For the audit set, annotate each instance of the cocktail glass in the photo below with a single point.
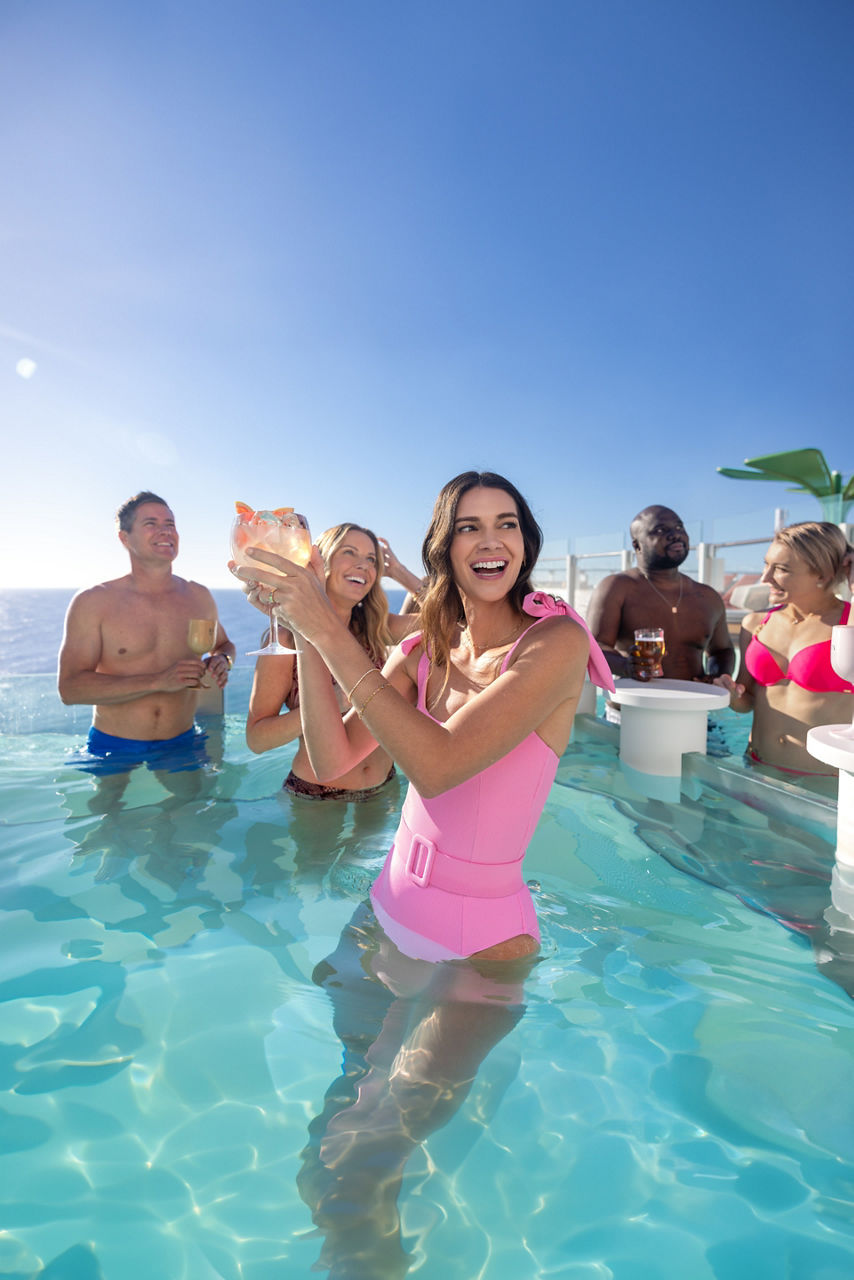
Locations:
(201, 633)
(282, 531)
(842, 661)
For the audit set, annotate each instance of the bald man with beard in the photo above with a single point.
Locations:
(655, 594)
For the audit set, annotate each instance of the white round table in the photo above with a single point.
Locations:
(662, 719)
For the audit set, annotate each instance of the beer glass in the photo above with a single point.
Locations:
(647, 652)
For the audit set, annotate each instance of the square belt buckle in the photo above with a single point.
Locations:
(419, 862)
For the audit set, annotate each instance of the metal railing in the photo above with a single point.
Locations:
(574, 577)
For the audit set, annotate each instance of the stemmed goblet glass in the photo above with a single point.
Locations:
(282, 531)
(201, 633)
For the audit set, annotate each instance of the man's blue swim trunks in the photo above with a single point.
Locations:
(106, 754)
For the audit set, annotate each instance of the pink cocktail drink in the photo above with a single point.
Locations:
(285, 533)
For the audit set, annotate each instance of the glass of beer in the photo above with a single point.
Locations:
(647, 652)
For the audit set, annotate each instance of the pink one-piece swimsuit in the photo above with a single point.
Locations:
(452, 882)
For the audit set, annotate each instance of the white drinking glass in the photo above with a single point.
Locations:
(842, 661)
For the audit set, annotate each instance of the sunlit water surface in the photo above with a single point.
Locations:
(676, 1100)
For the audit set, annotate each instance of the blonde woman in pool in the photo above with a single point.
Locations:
(785, 677)
(353, 560)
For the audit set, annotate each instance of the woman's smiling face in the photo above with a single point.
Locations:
(487, 550)
(353, 567)
(788, 575)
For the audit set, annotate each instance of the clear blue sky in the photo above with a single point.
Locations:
(328, 253)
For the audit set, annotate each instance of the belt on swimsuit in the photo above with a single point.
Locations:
(427, 867)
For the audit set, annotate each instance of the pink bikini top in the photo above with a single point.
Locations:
(809, 668)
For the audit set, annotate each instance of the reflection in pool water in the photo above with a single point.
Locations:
(214, 1068)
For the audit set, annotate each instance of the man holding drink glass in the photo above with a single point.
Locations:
(131, 649)
(683, 622)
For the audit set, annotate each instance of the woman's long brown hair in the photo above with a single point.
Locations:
(441, 603)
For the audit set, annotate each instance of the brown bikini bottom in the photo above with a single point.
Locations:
(317, 791)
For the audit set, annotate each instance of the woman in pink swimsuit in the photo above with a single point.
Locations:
(476, 709)
(785, 677)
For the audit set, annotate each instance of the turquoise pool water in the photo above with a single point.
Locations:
(667, 1095)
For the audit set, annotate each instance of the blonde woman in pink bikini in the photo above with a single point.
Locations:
(785, 677)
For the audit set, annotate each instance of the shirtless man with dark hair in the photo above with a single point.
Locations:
(656, 594)
(125, 648)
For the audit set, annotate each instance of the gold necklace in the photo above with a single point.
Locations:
(672, 607)
(500, 644)
(815, 613)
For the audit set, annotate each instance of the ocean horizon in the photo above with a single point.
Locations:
(31, 623)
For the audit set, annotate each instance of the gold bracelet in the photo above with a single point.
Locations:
(385, 685)
(359, 681)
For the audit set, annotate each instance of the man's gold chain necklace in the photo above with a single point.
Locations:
(672, 607)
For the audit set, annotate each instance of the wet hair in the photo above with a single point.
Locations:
(441, 603)
(822, 546)
(369, 617)
(127, 511)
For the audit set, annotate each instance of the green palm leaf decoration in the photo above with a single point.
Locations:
(809, 469)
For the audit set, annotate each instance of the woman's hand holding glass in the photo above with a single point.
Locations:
(297, 594)
(282, 532)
